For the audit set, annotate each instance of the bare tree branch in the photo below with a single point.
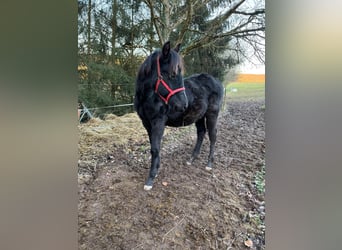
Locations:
(256, 12)
(154, 19)
(237, 22)
(216, 22)
(186, 24)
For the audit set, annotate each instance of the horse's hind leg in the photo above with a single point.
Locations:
(212, 131)
(200, 125)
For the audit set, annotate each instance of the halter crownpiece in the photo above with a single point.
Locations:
(161, 80)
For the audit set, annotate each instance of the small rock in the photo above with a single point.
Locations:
(261, 209)
(248, 243)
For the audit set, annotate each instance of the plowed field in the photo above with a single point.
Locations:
(188, 207)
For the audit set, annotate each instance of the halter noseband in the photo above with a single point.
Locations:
(161, 80)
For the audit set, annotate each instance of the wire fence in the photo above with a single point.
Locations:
(114, 106)
(84, 112)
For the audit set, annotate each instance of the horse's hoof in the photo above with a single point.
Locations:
(208, 168)
(147, 187)
(188, 163)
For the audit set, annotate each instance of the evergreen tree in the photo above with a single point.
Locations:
(116, 35)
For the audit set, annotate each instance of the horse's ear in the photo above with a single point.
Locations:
(177, 48)
(166, 49)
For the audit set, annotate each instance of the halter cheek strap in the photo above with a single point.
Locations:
(161, 80)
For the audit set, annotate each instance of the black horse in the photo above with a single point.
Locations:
(164, 98)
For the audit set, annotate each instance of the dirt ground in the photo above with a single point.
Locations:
(188, 207)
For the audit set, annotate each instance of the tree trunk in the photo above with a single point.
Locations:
(166, 20)
(132, 40)
(114, 26)
(89, 27)
(151, 35)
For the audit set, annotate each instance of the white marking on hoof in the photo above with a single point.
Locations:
(208, 168)
(147, 187)
(188, 163)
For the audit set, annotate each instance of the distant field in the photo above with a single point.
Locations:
(250, 78)
(243, 91)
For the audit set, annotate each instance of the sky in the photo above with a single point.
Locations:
(249, 68)
(255, 66)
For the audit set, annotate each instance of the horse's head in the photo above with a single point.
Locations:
(169, 84)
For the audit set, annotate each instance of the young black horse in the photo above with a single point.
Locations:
(164, 98)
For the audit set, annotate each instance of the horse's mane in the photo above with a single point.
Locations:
(175, 61)
(145, 73)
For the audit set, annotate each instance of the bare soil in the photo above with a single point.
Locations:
(188, 207)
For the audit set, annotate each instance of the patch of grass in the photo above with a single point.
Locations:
(260, 180)
(243, 91)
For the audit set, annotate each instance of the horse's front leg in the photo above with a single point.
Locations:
(157, 131)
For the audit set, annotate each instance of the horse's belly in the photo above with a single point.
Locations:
(178, 123)
(184, 119)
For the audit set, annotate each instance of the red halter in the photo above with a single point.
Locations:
(161, 80)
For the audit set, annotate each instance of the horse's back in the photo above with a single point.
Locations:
(204, 93)
(204, 86)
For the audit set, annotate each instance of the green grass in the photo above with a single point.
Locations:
(244, 91)
(260, 180)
